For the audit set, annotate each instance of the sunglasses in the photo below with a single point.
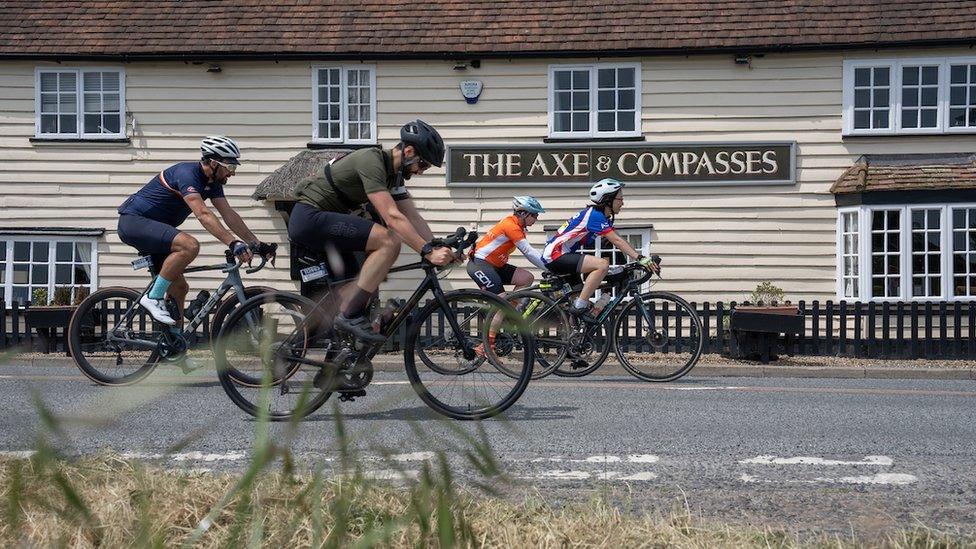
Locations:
(232, 168)
(422, 164)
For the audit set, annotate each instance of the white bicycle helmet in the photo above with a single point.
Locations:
(527, 204)
(604, 190)
(220, 148)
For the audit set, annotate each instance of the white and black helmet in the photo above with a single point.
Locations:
(605, 190)
(220, 148)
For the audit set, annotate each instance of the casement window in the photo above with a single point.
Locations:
(895, 253)
(601, 100)
(909, 96)
(345, 104)
(79, 103)
(32, 268)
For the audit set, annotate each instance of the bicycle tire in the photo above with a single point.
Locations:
(546, 361)
(468, 412)
(83, 326)
(223, 310)
(694, 349)
(248, 398)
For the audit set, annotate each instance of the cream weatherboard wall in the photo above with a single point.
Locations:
(718, 242)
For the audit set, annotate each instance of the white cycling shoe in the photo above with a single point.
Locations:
(157, 309)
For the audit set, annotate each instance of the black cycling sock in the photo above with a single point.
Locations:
(357, 303)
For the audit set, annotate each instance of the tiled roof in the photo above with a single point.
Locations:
(450, 28)
(908, 172)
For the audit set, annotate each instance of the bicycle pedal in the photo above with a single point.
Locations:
(578, 364)
(350, 396)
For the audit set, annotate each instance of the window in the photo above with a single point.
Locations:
(849, 256)
(909, 96)
(964, 252)
(925, 252)
(926, 260)
(962, 95)
(886, 253)
(345, 104)
(32, 269)
(594, 100)
(80, 103)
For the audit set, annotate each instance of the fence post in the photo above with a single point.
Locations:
(927, 346)
(720, 327)
(885, 327)
(971, 340)
(801, 342)
(15, 322)
(857, 329)
(915, 352)
(3, 324)
(829, 328)
(706, 329)
(842, 348)
(957, 329)
(900, 326)
(872, 339)
(816, 328)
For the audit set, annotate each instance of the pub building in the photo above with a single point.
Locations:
(826, 147)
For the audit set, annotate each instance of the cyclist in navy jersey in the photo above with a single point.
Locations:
(148, 220)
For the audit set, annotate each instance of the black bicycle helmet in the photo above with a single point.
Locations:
(425, 140)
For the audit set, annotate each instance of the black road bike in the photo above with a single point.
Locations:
(114, 341)
(302, 360)
(657, 336)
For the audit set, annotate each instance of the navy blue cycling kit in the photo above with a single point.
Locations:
(148, 219)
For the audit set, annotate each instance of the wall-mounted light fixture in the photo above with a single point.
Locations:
(214, 68)
(463, 65)
(743, 59)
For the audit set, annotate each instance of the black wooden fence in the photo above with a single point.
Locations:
(932, 330)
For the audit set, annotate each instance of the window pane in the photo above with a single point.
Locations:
(957, 74)
(909, 76)
(334, 129)
(562, 122)
(21, 272)
(893, 242)
(49, 123)
(562, 101)
(934, 263)
(607, 78)
(918, 263)
(877, 221)
(67, 82)
(957, 117)
(862, 119)
(625, 100)
(862, 98)
(69, 123)
(909, 118)
(625, 78)
(581, 101)
(606, 100)
(930, 75)
(353, 78)
(625, 121)
(930, 96)
(41, 251)
(92, 81)
(82, 274)
(62, 274)
(957, 95)
(110, 102)
(68, 103)
(581, 80)
(93, 123)
(354, 95)
(881, 76)
(20, 294)
(581, 122)
(352, 113)
(880, 98)
(334, 114)
(605, 122)
(880, 118)
(49, 102)
(49, 81)
(909, 97)
(930, 118)
(21, 251)
(333, 94)
(563, 80)
(39, 274)
(862, 77)
(364, 114)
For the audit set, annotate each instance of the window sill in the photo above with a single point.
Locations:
(593, 139)
(86, 141)
(968, 131)
(315, 146)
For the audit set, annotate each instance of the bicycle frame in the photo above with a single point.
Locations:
(232, 280)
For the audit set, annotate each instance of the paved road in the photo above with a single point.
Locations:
(798, 453)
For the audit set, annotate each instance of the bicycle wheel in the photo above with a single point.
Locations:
(455, 388)
(113, 362)
(261, 339)
(585, 354)
(225, 308)
(659, 337)
(549, 326)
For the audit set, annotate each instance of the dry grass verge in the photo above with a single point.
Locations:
(110, 502)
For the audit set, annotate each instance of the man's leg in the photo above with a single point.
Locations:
(522, 278)
(383, 248)
(178, 290)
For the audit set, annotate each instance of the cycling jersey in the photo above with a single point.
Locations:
(355, 175)
(496, 245)
(162, 198)
(581, 230)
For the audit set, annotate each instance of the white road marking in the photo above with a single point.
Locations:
(898, 479)
(188, 456)
(391, 474)
(562, 474)
(643, 458)
(17, 454)
(415, 456)
(633, 458)
(389, 383)
(810, 460)
(559, 474)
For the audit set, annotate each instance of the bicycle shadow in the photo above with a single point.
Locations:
(423, 413)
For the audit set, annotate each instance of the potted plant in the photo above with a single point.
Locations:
(755, 329)
(45, 315)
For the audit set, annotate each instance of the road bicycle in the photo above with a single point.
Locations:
(657, 336)
(302, 360)
(114, 341)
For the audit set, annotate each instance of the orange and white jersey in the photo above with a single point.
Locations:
(499, 241)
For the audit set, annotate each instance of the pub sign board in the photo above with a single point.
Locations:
(671, 165)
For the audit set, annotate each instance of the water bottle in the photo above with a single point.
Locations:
(383, 319)
(601, 303)
(194, 307)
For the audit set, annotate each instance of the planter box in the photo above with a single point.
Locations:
(46, 320)
(755, 330)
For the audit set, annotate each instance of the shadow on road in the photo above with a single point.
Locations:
(423, 413)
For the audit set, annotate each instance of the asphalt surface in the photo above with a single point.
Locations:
(804, 454)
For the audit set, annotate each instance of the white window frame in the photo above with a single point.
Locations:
(343, 104)
(865, 271)
(80, 102)
(895, 66)
(594, 85)
(8, 285)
